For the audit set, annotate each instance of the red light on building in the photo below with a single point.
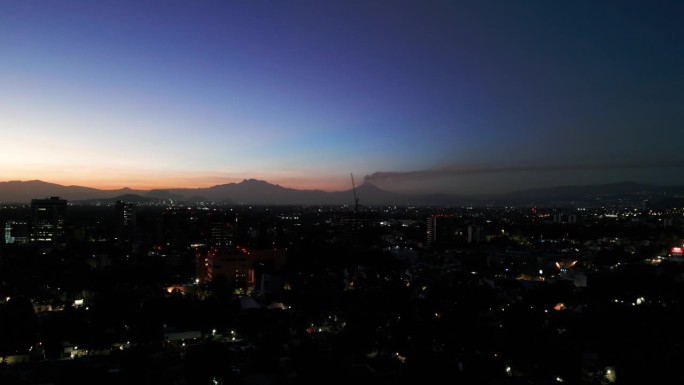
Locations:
(676, 250)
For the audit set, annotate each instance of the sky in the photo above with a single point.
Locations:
(413, 96)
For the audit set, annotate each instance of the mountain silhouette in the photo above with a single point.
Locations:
(18, 191)
(259, 192)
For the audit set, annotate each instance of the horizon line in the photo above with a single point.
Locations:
(147, 189)
(364, 182)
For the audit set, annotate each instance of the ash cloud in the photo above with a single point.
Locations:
(452, 171)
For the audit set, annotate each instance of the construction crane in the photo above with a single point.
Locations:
(356, 198)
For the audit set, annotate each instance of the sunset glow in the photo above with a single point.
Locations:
(192, 94)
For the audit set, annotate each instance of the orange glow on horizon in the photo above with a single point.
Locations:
(160, 183)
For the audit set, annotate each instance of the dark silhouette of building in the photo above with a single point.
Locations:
(47, 220)
(125, 224)
(475, 234)
(442, 230)
(222, 227)
(431, 230)
(125, 214)
(357, 227)
(178, 226)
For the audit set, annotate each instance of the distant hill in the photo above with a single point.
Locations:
(258, 192)
(252, 191)
(249, 191)
(18, 191)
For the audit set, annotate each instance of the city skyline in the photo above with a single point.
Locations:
(466, 97)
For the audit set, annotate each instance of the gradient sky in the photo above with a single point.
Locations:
(436, 96)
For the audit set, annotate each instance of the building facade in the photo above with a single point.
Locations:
(47, 220)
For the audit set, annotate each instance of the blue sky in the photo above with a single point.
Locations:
(448, 96)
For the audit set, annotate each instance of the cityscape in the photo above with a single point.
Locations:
(363, 191)
(170, 292)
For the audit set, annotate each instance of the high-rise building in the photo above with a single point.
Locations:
(474, 235)
(124, 225)
(358, 227)
(16, 232)
(125, 214)
(47, 220)
(222, 230)
(178, 227)
(443, 230)
(431, 235)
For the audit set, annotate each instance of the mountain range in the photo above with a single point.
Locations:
(258, 192)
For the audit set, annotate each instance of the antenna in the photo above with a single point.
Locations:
(356, 198)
